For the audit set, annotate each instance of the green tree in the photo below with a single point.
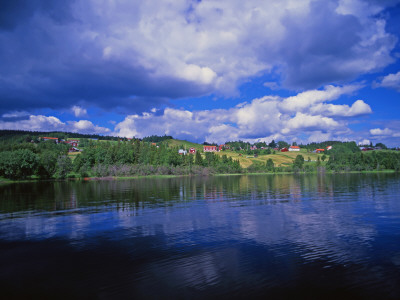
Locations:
(283, 144)
(64, 166)
(272, 144)
(270, 165)
(47, 163)
(299, 161)
(381, 145)
(18, 164)
(198, 159)
(318, 161)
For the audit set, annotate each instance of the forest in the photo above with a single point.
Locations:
(24, 155)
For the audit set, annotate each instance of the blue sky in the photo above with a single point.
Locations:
(256, 70)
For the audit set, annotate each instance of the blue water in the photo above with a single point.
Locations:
(264, 236)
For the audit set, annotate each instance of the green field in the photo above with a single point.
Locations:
(279, 158)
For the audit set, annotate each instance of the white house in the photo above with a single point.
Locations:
(294, 148)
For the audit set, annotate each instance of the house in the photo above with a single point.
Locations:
(192, 150)
(329, 148)
(223, 147)
(210, 148)
(284, 150)
(73, 149)
(46, 138)
(72, 143)
(294, 148)
(182, 152)
(319, 150)
(253, 148)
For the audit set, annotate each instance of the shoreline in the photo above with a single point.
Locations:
(160, 176)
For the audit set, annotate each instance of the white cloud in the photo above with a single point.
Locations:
(305, 99)
(271, 85)
(384, 132)
(269, 117)
(358, 108)
(364, 142)
(390, 81)
(319, 136)
(35, 123)
(15, 115)
(85, 126)
(304, 121)
(79, 111)
(51, 123)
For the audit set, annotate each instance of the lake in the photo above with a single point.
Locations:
(226, 237)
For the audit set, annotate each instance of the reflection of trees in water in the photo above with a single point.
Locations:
(139, 193)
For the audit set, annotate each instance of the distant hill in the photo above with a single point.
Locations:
(7, 134)
(157, 138)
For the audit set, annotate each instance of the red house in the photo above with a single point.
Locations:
(73, 143)
(210, 148)
(284, 150)
(192, 150)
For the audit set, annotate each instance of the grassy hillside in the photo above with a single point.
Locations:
(279, 158)
(188, 145)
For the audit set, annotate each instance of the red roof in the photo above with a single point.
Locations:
(49, 138)
(295, 147)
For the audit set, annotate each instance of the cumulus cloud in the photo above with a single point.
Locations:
(85, 126)
(358, 108)
(141, 54)
(51, 123)
(306, 99)
(364, 142)
(266, 118)
(79, 111)
(386, 132)
(390, 81)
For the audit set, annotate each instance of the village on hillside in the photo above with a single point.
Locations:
(74, 144)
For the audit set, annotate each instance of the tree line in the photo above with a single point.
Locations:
(105, 158)
(22, 156)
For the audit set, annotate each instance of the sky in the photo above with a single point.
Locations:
(203, 70)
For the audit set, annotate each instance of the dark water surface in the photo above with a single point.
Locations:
(265, 236)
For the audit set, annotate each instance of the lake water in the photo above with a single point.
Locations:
(233, 237)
